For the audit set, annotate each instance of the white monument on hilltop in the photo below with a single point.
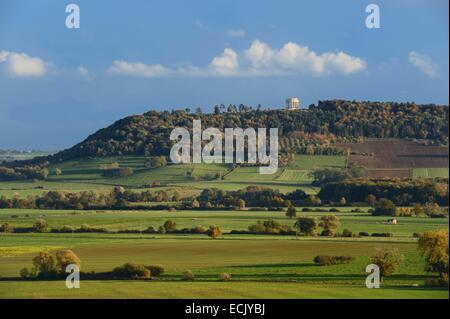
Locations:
(292, 104)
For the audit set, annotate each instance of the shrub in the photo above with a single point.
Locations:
(161, 230)
(188, 275)
(149, 230)
(388, 260)
(382, 235)
(117, 172)
(363, 234)
(170, 226)
(214, 232)
(257, 228)
(385, 207)
(131, 270)
(155, 270)
(66, 229)
(325, 260)
(436, 282)
(200, 229)
(329, 224)
(41, 226)
(347, 233)
(25, 273)
(85, 228)
(417, 235)
(6, 228)
(224, 276)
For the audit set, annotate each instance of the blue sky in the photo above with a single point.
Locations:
(58, 85)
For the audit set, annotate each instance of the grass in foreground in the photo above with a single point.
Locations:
(148, 289)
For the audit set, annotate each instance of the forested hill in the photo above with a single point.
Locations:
(148, 134)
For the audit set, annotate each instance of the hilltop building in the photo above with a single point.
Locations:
(292, 104)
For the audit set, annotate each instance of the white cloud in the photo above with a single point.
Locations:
(23, 65)
(294, 58)
(139, 69)
(258, 60)
(424, 63)
(236, 33)
(259, 54)
(225, 65)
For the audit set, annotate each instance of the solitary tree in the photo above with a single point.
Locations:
(40, 226)
(388, 260)
(214, 232)
(434, 247)
(65, 258)
(306, 226)
(44, 264)
(169, 226)
(330, 224)
(241, 204)
(291, 211)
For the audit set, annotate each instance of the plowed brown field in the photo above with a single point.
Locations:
(396, 157)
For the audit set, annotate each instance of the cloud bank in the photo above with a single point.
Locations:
(258, 60)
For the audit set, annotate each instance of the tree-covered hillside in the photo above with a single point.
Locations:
(148, 134)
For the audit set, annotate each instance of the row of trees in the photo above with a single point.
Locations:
(323, 176)
(22, 173)
(118, 198)
(385, 207)
(252, 196)
(169, 227)
(401, 192)
(426, 197)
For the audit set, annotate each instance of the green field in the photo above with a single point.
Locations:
(430, 172)
(85, 174)
(281, 264)
(227, 220)
(208, 290)
(261, 266)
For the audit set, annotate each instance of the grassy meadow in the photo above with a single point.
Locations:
(261, 266)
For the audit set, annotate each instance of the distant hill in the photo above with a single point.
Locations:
(148, 134)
